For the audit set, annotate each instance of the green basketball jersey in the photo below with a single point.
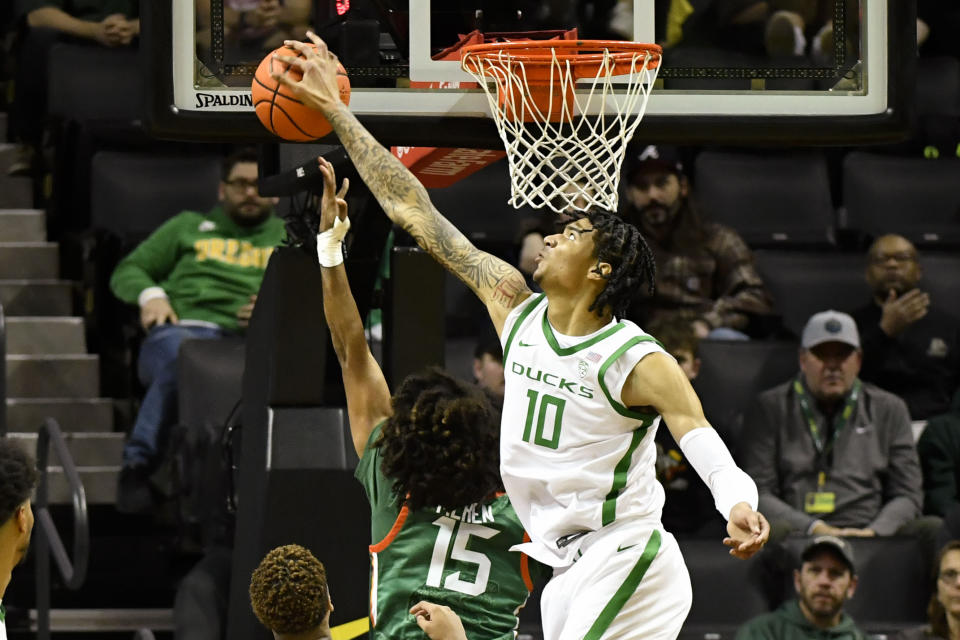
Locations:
(459, 558)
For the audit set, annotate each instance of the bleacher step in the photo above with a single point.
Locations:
(86, 449)
(53, 376)
(36, 297)
(45, 335)
(16, 192)
(99, 484)
(73, 414)
(22, 225)
(29, 260)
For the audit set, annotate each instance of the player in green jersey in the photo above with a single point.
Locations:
(441, 528)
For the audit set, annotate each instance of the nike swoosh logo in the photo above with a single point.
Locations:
(524, 344)
(624, 548)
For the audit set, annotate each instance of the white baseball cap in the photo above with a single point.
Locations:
(830, 326)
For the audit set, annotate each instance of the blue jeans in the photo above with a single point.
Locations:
(157, 369)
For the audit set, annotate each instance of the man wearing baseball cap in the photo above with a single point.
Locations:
(826, 578)
(831, 454)
(706, 275)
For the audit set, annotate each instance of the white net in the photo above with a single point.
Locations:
(559, 157)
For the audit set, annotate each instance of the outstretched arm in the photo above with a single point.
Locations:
(368, 397)
(498, 285)
(658, 381)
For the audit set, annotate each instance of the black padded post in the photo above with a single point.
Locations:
(413, 331)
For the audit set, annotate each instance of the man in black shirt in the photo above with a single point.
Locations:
(910, 347)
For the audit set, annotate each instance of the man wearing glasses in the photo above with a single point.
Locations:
(910, 347)
(196, 276)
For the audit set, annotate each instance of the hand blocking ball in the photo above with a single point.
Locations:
(279, 111)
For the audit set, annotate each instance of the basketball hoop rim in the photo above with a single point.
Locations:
(528, 52)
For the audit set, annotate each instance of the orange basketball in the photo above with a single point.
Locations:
(282, 113)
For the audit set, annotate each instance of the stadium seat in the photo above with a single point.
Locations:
(938, 86)
(803, 283)
(95, 83)
(726, 592)
(941, 278)
(733, 372)
(876, 607)
(914, 197)
(134, 193)
(770, 199)
(210, 384)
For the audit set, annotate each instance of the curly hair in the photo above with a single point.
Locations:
(441, 446)
(18, 477)
(288, 591)
(936, 614)
(631, 261)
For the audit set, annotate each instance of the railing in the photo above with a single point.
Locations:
(48, 539)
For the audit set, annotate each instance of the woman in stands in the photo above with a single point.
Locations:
(944, 609)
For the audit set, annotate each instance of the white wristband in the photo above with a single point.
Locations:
(714, 464)
(330, 243)
(150, 293)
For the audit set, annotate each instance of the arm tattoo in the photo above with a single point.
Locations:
(407, 204)
(508, 290)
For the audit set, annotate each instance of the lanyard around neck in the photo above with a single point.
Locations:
(841, 420)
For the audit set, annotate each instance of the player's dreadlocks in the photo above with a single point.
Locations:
(288, 591)
(631, 261)
(18, 477)
(440, 447)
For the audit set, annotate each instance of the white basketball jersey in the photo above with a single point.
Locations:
(572, 456)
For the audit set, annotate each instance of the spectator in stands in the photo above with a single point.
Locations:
(252, 28)
(688, 508)
(937, 25)
(531, 244)
(706, 276)
(18, 477)
(108, 23)
(939, 452)
(831, 454)
(825, 580)
(195, 277)
(943, 612)
(488, 366)
(290, 597)
(910, 347)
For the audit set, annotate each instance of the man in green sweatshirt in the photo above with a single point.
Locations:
(825, 580)
(196, 276)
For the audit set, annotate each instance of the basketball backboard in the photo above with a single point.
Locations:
(750, 77)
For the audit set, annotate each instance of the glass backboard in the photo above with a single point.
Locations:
(745, 71)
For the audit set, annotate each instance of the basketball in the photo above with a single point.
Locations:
(279, 111)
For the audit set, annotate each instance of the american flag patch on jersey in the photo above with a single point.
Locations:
(593, 356)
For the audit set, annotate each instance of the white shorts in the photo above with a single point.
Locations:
(630, 582)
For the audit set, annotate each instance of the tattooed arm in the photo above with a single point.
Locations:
(499, 286)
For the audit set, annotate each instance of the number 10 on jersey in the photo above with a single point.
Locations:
(547, 404)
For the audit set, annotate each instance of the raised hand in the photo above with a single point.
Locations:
(333, 203)
(318, 88)
(901, 312)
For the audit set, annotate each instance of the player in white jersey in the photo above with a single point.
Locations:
(576, 439)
